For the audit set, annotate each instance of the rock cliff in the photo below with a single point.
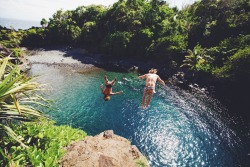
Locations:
(103, 150)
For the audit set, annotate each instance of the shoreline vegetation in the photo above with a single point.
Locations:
(203, 47)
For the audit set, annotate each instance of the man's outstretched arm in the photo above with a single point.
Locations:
(161, 81)
(142, 76)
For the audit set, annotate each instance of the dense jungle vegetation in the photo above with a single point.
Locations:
(209, 41)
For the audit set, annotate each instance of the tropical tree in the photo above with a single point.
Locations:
(44, 22)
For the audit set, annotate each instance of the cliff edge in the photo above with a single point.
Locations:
(103, 150)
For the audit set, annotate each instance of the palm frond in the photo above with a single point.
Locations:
(3, 66)
(7, 79)
(21, 88)
(26, 110)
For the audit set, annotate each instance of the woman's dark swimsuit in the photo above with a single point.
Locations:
(108, 86)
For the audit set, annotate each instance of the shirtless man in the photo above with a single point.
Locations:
(149, 89)
(107, 91)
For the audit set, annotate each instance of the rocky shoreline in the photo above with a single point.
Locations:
(81, 58)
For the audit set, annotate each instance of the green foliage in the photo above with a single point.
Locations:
(17, 52)
(140, 163)
(33, 37)
(15, 91)
(75, 33)
(124, 16)
(100, 28)
(197, 60)
(89, 34)
(45, 143)
(90, 13)
(117, 43)
(237, 67)
(16, 98)
(44, 22)
(140, 42)
(10, 38)
(227, 48)
(62, 29)
(213, 21)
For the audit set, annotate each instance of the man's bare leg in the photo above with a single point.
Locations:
(149, 99)
(143, 101)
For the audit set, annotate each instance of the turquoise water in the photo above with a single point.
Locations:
(178, 128)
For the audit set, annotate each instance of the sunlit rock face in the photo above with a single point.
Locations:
(103, 150)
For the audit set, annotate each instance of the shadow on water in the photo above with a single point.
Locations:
(178, 129)
(98, 60)
(111, 63)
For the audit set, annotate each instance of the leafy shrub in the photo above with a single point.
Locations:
(10, 38)
(237, 67)
(227, 48)
(17, 52)
(45, 143)
(34, 37)
(198, 60)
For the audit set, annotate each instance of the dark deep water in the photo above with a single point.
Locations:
(178, 128)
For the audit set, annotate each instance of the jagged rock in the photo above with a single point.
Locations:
(108, 134)
(103, 150)
(134, 151)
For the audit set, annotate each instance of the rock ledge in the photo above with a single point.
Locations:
(103, 150)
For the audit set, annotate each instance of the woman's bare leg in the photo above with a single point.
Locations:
(116, 93)
(106, 79)
(113, 81)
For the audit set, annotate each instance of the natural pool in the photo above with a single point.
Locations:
(178, 128)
